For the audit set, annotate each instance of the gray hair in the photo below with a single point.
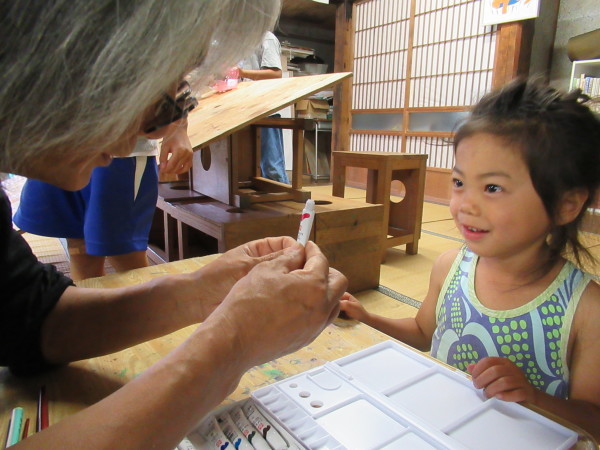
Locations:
(79, 74)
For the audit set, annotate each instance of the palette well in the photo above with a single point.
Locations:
(390, 396)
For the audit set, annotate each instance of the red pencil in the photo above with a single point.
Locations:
(25, 429)
(42, 410)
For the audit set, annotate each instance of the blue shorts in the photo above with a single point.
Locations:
(108, 213)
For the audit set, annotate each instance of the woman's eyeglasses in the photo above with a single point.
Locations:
(171, 109)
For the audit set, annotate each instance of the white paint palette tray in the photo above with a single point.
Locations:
(391, 397)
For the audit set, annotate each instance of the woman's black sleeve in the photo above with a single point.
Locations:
(28, 292)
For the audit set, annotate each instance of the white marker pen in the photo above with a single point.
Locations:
(233, 433)
(306, 221)
(186, 444)
(248, 430)
(264, 427)
(215, 437)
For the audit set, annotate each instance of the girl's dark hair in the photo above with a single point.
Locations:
(559, 139)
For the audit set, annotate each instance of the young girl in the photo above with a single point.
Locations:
(508, 308)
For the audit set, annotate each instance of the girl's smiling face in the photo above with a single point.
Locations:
(493, 202)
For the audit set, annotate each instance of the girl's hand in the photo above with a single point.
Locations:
(353, 308)
(502, 379)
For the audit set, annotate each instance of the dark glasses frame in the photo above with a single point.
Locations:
(170, 109)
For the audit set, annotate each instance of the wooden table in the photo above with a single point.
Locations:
(80, 384)
(83, 383)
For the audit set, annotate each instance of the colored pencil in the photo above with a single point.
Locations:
(7, 443)
(25, 429)
(14, 427)
(42, 410)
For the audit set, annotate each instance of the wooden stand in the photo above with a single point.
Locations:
(223, 130)
(402, 221)
(227, 202)
(347, 231)
(228, 170)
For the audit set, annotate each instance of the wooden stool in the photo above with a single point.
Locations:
(401, 221)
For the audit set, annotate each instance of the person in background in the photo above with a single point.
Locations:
(111, 217)
(508, 307)
(264, 64)
(80, 82)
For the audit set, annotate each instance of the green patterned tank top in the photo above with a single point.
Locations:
(533, 336)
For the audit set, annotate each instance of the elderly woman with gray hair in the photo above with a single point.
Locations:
(80, 80)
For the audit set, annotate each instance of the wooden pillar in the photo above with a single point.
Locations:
(408, 85)
(513, 51)
(344, 62)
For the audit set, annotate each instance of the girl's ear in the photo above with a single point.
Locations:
(570, 205)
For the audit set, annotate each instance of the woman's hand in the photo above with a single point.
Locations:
(282, 304)
(208, 286)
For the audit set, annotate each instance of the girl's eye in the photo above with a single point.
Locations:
(456, 182)
(492, 188)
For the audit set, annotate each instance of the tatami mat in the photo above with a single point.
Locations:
(48, 250)
(405, 274)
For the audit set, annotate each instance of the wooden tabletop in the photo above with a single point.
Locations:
(76, 386)
(80, 384)
(218, 115)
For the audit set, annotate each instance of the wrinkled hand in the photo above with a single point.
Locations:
(352, 307)
(213, 282)
(501, 378)
(281, 305)
(176, 150)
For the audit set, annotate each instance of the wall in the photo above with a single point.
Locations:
(543, 38)
(575, 17)
(305, 35)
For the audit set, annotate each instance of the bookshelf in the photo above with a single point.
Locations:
(585, 75)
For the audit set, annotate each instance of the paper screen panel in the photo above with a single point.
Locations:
(380, 51)
(440, 150)
(453, 55)
(375, 143)
(445, 66)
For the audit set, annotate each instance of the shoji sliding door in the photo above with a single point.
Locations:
(418, 66)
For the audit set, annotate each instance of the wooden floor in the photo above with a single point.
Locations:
(404, 278)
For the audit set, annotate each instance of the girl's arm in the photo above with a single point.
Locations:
(583, 407)
(502, 379)
(414, 331)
